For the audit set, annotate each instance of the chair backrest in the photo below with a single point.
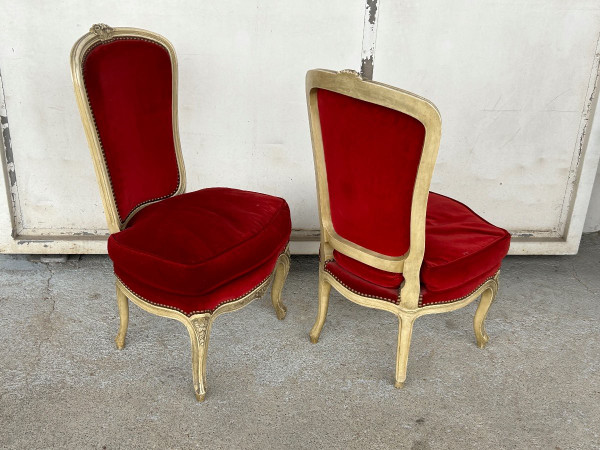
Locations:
(126, 86)
(374, 148)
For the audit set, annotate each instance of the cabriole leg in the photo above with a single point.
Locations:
(487, 297)
(281, 272)
(123, 304)
(324, 290)
(405, 326)
(199, 329)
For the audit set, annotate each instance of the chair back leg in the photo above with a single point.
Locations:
(405, 327)
(324, 290)
(282, 268)
(123, 304)
(199, 329)
(487, 297)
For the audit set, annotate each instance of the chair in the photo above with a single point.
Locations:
(188, 257)
(386, 241)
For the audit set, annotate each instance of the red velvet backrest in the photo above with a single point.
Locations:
(372, 154)
(129, 85)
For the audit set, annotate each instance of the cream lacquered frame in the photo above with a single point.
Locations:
(407, 309)
(98, 34)
(198, 325)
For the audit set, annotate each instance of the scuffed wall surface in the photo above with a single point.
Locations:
(511, 79)
(243, 119)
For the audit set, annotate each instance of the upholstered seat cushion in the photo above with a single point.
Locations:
(185, 249)
(462, 251)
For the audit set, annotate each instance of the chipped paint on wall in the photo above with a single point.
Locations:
(581, 143)
(8, 164)
(369, 39)
(41, 140)
(21, 235)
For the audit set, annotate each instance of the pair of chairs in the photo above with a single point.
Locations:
(386, 241)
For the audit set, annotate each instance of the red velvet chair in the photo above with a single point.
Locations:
(386, 241)
(189, 257)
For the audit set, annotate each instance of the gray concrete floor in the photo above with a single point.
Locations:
(536, 385)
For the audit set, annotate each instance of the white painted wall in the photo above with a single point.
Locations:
(512, 80)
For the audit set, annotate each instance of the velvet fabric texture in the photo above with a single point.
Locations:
(462, 251)
(195, 251)
(129, 86)
(372, 154)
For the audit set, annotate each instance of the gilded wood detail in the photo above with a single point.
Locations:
(99, 34)
(103, 31)
(200, 325)
(407, 309)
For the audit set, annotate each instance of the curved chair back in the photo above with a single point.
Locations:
(374, 148)
(126, 87)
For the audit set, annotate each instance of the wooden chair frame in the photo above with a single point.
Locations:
(198, 325)
(349, 83)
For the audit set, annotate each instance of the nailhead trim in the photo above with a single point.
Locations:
(83, 59)
(193, 312)
(456, 299)
(398, 301)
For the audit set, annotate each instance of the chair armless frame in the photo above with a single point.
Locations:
(349, 83)
(198, 325)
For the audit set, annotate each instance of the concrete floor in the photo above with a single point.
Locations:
(536, 385)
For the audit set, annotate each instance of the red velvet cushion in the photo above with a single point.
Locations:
(371, 274)
(372, 154)
(368, 289)
(179, 252)
(459, 245)
(129, 86)
(356, 282)
(196, 304)
(462, 251)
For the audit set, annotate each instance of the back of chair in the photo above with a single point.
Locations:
(372, 154)
(126, 84)
(374, 148)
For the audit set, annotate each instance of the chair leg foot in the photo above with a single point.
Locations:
(324, 290)
(123, 304)
(282, 268)
(199, 329)
(405, 326)
(487, 297)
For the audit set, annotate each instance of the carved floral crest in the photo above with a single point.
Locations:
(350, 72)
(103, 31)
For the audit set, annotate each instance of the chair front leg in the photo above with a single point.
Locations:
(487, 297)
(281, 272)
(405, 327)
(199, 329)
(123, 304)
(324, 290)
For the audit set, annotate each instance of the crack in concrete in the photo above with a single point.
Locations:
(49, 295)
(576, 276)
(47, 336)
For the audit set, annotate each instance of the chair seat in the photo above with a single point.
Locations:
(462, 251)
(198, 250)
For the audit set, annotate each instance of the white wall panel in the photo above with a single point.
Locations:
(243, 119)
(512, 82)
(511, 78)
